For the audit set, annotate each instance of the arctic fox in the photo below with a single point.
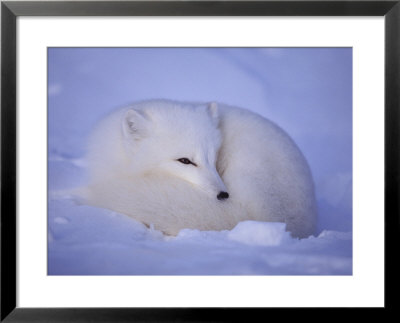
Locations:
(206, 166)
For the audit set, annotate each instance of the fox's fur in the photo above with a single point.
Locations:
(134, 168)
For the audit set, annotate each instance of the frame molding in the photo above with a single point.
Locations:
(202, 8)
(10, 10)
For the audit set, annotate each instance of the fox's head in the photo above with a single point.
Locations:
(175, 139)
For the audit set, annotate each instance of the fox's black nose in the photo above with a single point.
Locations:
(222, 195)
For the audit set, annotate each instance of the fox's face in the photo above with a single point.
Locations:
(180, 141)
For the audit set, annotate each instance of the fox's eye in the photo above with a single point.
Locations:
(186, 161)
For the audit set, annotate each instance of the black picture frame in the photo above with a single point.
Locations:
(10, 10)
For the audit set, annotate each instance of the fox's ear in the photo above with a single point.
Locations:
(134, 124)
(213, 111)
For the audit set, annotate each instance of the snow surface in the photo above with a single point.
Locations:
(307, 91)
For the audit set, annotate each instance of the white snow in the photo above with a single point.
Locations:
(259, 233)
(88, 241)
(306, 91)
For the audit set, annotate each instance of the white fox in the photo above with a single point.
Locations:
(176, 165)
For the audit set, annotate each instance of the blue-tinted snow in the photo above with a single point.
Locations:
(307, 91)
